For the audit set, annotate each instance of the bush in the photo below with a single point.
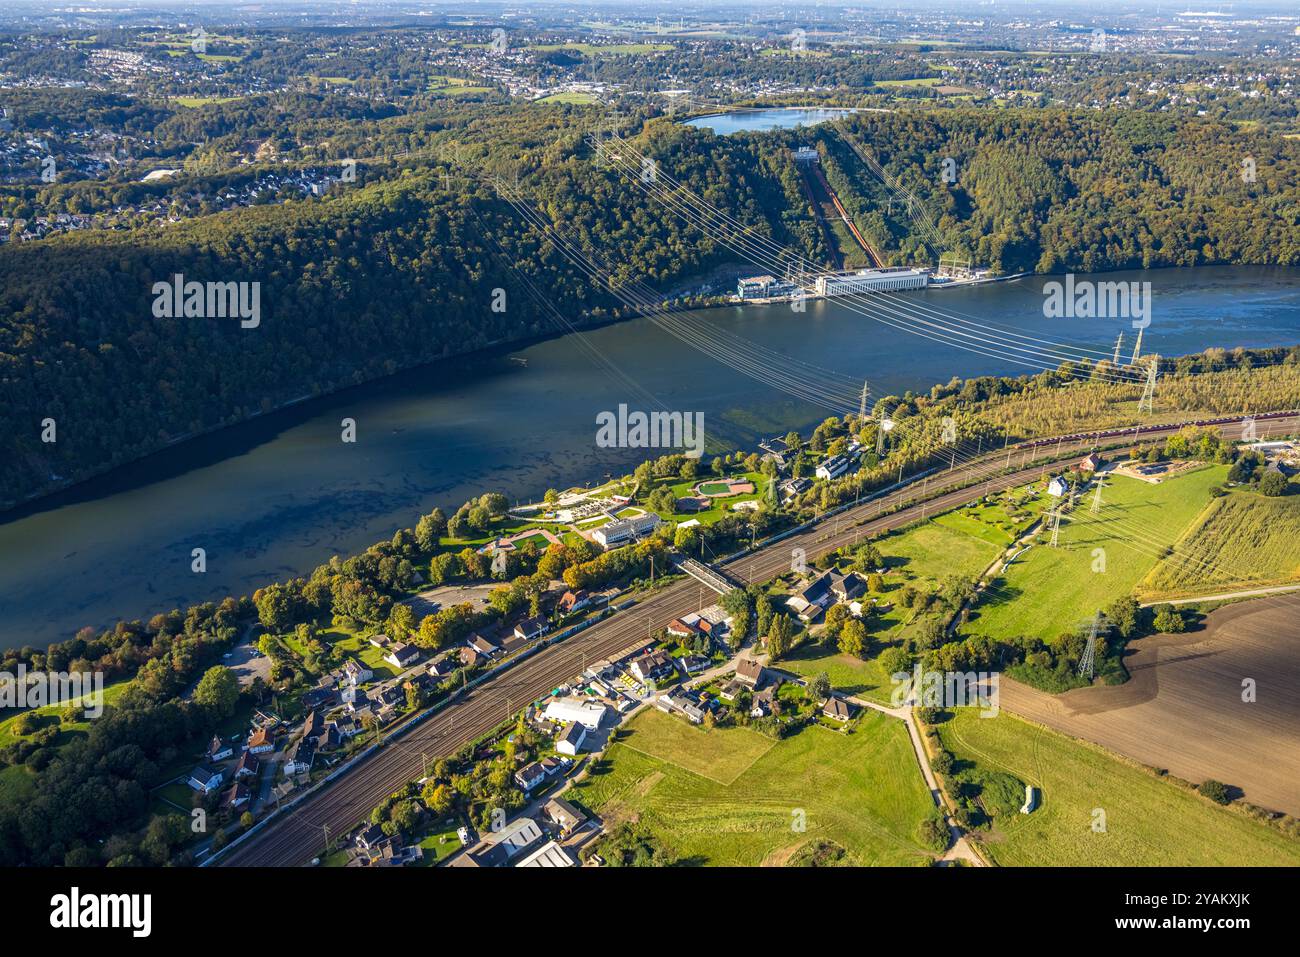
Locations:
(1216, 791)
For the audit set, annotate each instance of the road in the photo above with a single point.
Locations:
(298, 836)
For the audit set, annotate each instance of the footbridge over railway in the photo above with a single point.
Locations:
(704, 573)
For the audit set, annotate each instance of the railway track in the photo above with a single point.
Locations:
(297, 836)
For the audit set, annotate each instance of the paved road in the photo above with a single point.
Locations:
(299, 835)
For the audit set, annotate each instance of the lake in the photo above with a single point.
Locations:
(277, 496)
(762, 120)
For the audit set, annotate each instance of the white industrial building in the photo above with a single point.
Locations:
(871, 280)
(586, 713)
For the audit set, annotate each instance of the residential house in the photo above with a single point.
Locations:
(300, 757)
(686, 705)
(1058, 487)
(572, 601)
(571, 738)
(809, 603)
(833, 467)
(261, 741)
(248, 766)
(371, 837)
(529, 776)
(205, 779)
(486, 648)
(653, 666)
(1091, 462)
(564, 816)
(441, 666)
(472, 657)
(402, 655)
(531, 628)
(848, 587)
(750, 673)
(236, 797)
(837, 709)
(218, 749)
(763, 703)
(356, 673)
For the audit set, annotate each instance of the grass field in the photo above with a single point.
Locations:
(851, 675)
(933, 551)
(1149, 822)
(576, 97)
(1239, 540)
(1050, 591)
(861, 790)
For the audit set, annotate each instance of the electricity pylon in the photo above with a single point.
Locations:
(1096, 498)
(1148, 400)
(1118, 343)
(1088, 660)
(1056, 526)
(1137, 349)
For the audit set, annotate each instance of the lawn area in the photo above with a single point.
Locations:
(440, 843)
(1239, 540)
(933, 551)
(1149, 822)
(51, 713)
(855, 676)
(1050, 591)
(861, 790)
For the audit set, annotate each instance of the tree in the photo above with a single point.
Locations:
(853, 639)
(1169, 620)
(780, 636)
(1273, 484)
(218, 691)
(429, 529)
(819, 686)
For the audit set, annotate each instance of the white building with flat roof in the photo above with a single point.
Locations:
(566, 710)
(871, 280)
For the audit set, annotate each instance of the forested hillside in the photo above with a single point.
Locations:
(1053, 191)
(400, 268)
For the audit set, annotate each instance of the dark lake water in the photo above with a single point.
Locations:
(277, 496)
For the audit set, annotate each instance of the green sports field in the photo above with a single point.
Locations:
(1149, 822)
(1050, 591)
(729, 796)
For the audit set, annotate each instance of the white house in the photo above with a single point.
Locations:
(402, 655)
(356, 673)
(205, 779)
(1058, 487)
(571, 738)
(219, 749)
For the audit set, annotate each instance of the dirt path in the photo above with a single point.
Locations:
(1182, 709)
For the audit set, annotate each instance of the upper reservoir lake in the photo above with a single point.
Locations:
(760, 121)
(277, 496)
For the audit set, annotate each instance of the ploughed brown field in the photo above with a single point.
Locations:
(1182, 709)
